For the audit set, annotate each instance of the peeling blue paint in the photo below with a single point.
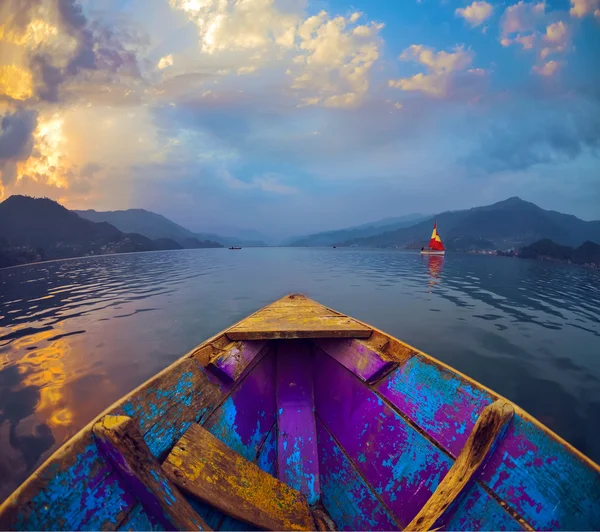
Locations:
(348, 499)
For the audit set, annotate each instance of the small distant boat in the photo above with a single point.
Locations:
(435, 244)
(334, 247)
(302, 418)
(235, 247)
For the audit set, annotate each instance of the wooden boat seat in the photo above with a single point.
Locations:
(296, 316)
(121, 442)
(206, 468)
(486, 433)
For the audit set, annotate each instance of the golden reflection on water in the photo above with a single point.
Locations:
(44, 368)
(435, 264)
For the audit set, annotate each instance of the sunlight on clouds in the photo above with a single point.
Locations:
(547, 69)
(441, 66)
(228, 26)
(476, 13)
(328, 58)
(165, 62)
(581, 8)
(521, 17)
(47, 163)
(16, 82)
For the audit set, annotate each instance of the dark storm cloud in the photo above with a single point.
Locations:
(524, 138)
(16, 141)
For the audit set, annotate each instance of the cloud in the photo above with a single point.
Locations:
(165, 62)
(16, 142)
(48, 44)
(529, 133)
(324, 57)
(476, 13)
(547, 69)
(582, 8)
(266, 183)
(442, 67)
(521, 18)
(527, 25)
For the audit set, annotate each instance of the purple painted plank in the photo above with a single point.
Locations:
(437, 400)
(297, 433)
(356, 356)
(552, 488)
(529, 469)
(244, 419)
(350, 502)
(402, 466)
(233, 362)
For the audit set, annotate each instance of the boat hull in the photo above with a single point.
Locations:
(432, 252)
(360, 426)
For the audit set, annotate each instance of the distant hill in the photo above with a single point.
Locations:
(246, 237)
(507, 224)
(151, 225)
(154, 225)
(34, 229)
(588, 253)
(328, 238)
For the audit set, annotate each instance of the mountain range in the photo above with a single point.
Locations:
(329, 238)
(155, 226)
(34, 229)
(511, 223)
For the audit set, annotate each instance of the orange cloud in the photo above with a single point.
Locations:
(476, 13)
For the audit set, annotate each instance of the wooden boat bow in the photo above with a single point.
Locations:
(300, 417)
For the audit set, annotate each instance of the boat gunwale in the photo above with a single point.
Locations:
(65, 449)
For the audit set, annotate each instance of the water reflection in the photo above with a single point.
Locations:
(76, 335)
(434, 264)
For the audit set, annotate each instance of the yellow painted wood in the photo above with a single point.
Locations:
(206, 468)
(487, 431)
(297, 317)
(130, 456)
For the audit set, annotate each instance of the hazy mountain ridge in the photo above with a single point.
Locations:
(34, 229)
(511, 223)
(153, 226)
(328, 238)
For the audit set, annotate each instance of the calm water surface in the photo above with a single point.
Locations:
(76, 335)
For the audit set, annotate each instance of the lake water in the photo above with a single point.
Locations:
(76, 335)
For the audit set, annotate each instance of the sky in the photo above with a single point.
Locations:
(295, 116)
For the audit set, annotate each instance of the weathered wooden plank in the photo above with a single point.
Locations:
(53, 496)
(488, 430)
(402, 466)
(297, 453)
(437, 400)
(138, 519)
(273, 327)
(349, 500)
(356, 356)
(166, 406)
(267, 455)
(478, 510)
(526, 468)
(122, 444)
(235, 358)
(205, 467)
(244, 419)
(536, 475)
